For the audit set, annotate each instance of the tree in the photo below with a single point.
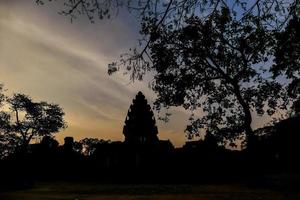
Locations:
(287, 54)
(27, 120)
(6, 147)
(176, 10)
(172, 12)
(216, 64)
(48, 143)
(89, 145)
(296, 107)
(214, 55)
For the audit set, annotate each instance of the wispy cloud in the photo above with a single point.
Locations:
(45, 56)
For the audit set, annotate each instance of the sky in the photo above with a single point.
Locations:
(45, 56)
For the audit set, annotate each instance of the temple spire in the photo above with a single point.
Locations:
(140, 125)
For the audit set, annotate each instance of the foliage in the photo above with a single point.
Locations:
(217, 64)
(209, 54)
(89, 145)
(39, 119)
(48, 143)
(172, 12)
(287, 55)
(6, 146)
(23, 120)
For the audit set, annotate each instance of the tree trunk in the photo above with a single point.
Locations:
(247, 117)
(23, 147)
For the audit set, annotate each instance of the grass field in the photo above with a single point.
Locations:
(90, 191)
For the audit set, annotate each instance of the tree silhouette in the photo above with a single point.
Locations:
(172, 13)
(296, 107)
(6, 146)
(27, 120)
(48, 143)
(175, 10)
(140, 125)
(216, 65)
(89, 145)
(211, 55)
(287, 54)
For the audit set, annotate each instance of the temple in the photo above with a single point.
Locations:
(140, 125)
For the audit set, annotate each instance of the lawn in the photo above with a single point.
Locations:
(91, 191)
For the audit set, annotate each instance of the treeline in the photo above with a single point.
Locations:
(275, 151)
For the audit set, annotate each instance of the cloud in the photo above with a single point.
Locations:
(45, 56)
(50, 59)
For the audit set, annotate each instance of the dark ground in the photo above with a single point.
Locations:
(279, 187)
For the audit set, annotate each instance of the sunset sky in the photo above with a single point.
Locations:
(45, 56)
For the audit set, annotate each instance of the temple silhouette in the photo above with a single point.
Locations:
(142, 157)
(140, 125)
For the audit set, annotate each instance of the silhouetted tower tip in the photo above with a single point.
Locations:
(140, 125)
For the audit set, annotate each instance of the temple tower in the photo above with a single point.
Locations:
(140, 125)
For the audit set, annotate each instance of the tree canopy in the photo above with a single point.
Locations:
(214, 55)
(287, 55)
(218, 65)
(22, 120)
